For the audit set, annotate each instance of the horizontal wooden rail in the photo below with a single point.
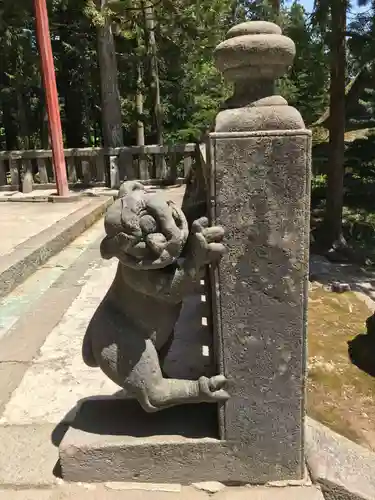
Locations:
(134, 150)
(32, 169)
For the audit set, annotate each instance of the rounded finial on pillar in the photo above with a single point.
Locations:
(252, 57)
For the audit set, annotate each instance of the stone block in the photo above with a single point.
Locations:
(115, 440)
(100, 492)
(19, 464)
(260, 187)
(25, 494)
(10, 376)
(133, 486)
(34, 252)
(345, 470)
(260, 493)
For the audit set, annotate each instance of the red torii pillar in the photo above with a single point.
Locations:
(52, 101)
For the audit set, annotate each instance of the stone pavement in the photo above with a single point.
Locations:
(19, 222)
(31, 233)
(42, 378)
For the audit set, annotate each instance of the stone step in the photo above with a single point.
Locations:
(30, 254)
(34, 308)
(26, 295)
(113, 439)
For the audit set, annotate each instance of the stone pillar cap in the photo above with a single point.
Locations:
(254, 50)
(254, 28)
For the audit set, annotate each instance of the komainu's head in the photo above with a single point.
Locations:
(143, 230)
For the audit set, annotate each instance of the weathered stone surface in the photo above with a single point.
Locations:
(32, 253)
(20, 222)
(260, 194)
(10, 376)
(253, 118)
(25, 494)
(171, 446)
(259, 45)
(98, 492)
(177, 445)
(345, 470)
(58, 369)
(19, 465)
(209, 486)
(259, 493)
(132, 486)
(254, 54)
(261, 187)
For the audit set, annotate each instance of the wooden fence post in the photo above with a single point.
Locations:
(3, 174)
(42, 169)
(14, 172)
(114, 172)
(27, 178)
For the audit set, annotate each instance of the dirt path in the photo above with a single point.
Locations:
(341, 394)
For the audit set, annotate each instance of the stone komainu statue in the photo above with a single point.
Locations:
(163, 253)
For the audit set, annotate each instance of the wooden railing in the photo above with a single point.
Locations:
(88, 167)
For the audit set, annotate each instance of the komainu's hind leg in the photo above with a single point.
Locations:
(131, 360)
(155, 392)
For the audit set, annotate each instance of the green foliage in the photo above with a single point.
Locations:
(22, 104)
(306, 85)
(360, 157)
(186, 33)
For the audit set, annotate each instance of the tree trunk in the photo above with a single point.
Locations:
(149, 25)
(276, 4)
(139, 101)
(23, 138)
(45, 138)
(335, 177)
(71, 90)
(88, 126)
(8, 105)
(10, 125)
(154, 71)
(74, 121)
(110, 96)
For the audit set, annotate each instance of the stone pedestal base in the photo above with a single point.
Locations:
(115, 440)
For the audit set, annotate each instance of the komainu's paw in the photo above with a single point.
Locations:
(206, 242)
(213, 389)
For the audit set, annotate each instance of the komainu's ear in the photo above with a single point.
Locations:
(108, 248)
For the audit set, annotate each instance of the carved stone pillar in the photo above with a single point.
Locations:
(260, 182)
